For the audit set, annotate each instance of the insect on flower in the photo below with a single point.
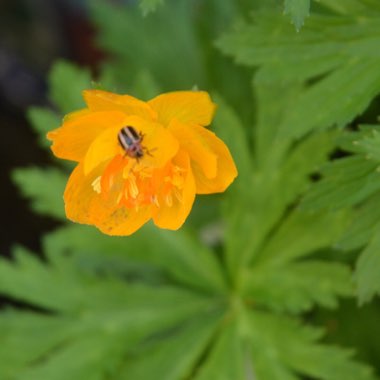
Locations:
(131, 140)
(118, 195)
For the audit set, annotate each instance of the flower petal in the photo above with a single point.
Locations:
(226, 169)
(80, 194)
(72, 140)
(123, 221)
(159, 143)
(172, 217)
(98, 100)
(84, 205)
(103, 148)
(197, 147)
(185, 106)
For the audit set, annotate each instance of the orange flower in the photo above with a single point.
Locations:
(140, 160)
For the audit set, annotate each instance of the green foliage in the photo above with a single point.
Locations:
(283, 55)
(351, 76)
(355, 181)
(67, 83)
(148, 6)
(43, 120)
(367, 270)
(298, 11)
(363, 337)
(32, 183)
(198, 304)
(182, 62)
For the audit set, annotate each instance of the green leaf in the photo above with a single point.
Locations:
(272, 191)
(43, 120)
(270, 114)
(364, 224)
(67, 81)
(176, 355)
(295, 237)
(368, 7)
(368, 269)
(282, 348)
(229, 128)
(45, 189)
(370, 145)
(174, 63)
(298, 10)
(148, 6)
(347, 331)
(355, 181)
(29, 336)
(98, 319)
(297, 287)
(226, 360)
(283, 55)
(178, 253)
(345, 182)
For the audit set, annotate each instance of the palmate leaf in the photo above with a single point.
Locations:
(177, 254)
(275, 184)
(268, 242)
(104, 327)
(99, 320)
(283, 55)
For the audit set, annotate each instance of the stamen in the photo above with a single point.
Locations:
(178, 195)
(132, 187)
(96, 185)
(154, 200)
(169, 200)
(178, 181)
(128, 168)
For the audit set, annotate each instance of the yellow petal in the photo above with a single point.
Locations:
(98, 100)
(158, 143)
(72, 140)
(80, 194)
(103, 148)
(197, 147)
(83, 204)
(226, 169)
(123, 221)
(185, 106)
(173, 216)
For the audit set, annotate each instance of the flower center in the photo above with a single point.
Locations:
(133, 185)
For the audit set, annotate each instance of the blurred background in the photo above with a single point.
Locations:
(33, 34)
